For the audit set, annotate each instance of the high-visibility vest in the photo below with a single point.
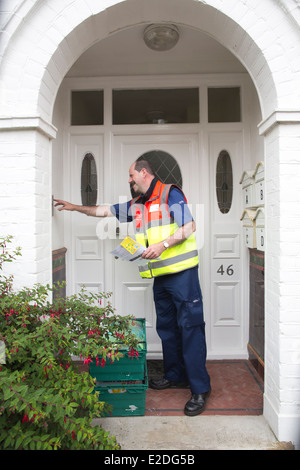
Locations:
(153, 223)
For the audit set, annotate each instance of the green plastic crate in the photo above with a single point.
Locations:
(127, 398)
(127, 367)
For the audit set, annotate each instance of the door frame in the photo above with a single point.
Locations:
(202, 130)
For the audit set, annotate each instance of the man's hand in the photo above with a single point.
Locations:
(181, 234)
(94, 211)
(66, 206)
(153, 251)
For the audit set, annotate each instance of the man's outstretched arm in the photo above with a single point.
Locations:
(94, 211)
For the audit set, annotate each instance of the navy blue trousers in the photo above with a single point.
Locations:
(181, 328)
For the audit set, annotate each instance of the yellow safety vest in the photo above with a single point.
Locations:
(153, 223)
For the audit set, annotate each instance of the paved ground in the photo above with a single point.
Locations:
(192, 433)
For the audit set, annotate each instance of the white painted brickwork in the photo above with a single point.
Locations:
(66, 28)
(25, 202)
(40, 42)
(282, 319)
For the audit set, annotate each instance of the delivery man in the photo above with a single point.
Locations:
(164, 225)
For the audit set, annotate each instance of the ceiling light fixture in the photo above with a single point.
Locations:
(161, 37)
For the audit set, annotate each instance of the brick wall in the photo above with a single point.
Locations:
(25, 205)
(256, 345)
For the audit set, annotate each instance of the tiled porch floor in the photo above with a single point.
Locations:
(237, 389)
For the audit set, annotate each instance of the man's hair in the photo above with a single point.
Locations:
(141, 163)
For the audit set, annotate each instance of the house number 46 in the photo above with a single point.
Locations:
(229, 270)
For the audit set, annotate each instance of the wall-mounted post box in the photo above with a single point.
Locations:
(259, 184)
(247, 183)
(260, 229)
(249, 234)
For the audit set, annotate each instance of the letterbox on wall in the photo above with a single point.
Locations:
(249, 234)
(259, 184)
(260, 229)
(247, 183)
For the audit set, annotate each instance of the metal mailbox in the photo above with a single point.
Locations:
(259, 184)
(260, 229)
(247, 183)
(249, 233)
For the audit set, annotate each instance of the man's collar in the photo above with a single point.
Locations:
(149, 191)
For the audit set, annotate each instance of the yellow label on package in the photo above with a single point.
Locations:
(130, 245)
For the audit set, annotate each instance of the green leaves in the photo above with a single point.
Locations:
(45, 403)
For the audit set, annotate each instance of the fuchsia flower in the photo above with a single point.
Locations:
(133, 353)
(25, 419)
(120, 335)
(87, 360)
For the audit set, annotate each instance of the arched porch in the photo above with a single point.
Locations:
(54, 36)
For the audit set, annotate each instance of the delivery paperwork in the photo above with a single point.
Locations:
(130, 250)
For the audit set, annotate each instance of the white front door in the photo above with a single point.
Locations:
(222, 257)
(133, 295)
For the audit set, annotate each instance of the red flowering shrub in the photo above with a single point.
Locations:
(45, 403)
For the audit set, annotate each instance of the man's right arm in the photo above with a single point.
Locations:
(94, 211)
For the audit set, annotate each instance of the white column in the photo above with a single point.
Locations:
(26, 200)
(282, 275)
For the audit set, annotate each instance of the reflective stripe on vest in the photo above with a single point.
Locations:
(153, 223)
(174, 265)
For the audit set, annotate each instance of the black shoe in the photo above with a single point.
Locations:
(162, 383)
(196, 404)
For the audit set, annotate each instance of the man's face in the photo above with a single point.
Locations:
(136, 180)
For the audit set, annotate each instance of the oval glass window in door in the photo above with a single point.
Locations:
(89, 184)
(224, 182)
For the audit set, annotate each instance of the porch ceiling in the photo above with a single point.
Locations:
(124, 53)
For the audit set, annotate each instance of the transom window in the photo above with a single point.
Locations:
(87, 108)
(224, 104)
(156, 106)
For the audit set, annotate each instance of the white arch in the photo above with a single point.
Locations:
(39, 50)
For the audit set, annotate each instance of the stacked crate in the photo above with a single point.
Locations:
(123, 383)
